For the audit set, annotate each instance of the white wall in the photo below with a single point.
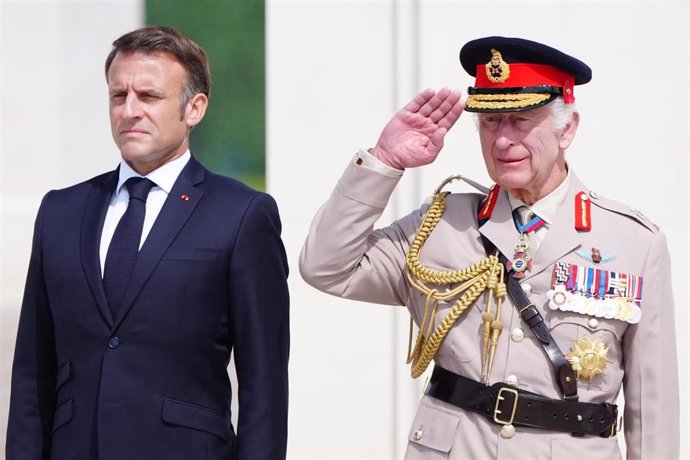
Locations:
(338, 69)
(54, 128)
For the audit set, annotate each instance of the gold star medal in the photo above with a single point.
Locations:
(588, 358)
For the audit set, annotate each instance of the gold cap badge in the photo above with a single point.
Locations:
(588, 358)
(497, 70)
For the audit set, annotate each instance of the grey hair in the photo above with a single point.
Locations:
(561, 113)
(187, 94)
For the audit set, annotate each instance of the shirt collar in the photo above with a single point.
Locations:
(164, 176)
(548, 207)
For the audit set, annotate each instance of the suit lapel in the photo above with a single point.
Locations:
(90, 240)
(175, 212)
(500, 229)
(562, 237)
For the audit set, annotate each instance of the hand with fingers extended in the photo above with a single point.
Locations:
(414, 136)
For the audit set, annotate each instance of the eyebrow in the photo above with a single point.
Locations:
(146, 89)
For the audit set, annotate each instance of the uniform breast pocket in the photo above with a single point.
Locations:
(461, 338)
(593, 346)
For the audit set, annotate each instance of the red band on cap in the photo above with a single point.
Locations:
(525, 75)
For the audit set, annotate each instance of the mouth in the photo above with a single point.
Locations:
(511, 161)
(133, 132)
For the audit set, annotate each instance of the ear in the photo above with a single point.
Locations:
(195, 109)
(569, 131)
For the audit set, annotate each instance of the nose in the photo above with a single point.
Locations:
(505, 135)
(132, 107)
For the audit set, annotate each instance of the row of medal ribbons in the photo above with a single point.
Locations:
(595, 292)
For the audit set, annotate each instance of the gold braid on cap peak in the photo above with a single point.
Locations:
(505, 101)
(464, 285)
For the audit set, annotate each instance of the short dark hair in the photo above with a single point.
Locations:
(153, 39)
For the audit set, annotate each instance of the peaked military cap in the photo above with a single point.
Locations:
(514, 74)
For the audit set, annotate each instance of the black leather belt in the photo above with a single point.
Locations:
(506, 405)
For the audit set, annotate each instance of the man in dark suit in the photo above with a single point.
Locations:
(139, 289)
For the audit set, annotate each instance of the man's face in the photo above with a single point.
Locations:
(145, 119)
(523, 152)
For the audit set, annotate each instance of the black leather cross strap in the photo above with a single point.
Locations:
(503, 404)
(565, 376)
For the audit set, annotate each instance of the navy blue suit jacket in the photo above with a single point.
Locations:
(152, 383)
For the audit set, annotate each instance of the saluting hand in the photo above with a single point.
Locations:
(414, 136)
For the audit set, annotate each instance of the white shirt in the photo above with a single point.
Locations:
(164, 177)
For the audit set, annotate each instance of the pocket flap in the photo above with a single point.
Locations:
(589, 323)
(196, 417)
(63, 414)
(434, 427)
(191, 254)
(63, 374)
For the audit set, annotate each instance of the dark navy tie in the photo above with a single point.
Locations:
(123, 249)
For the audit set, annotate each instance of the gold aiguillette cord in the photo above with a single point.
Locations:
(464, 285)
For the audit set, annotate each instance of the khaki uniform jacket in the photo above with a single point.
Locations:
(344, 256)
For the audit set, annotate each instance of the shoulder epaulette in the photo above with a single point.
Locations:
(624, 209)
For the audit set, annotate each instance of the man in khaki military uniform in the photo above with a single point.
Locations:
(537, 301)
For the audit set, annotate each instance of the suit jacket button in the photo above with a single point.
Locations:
(507, 431)
(513, 381)
(517, 335)
(113, 342)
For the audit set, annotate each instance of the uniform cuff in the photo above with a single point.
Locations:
(367, 160)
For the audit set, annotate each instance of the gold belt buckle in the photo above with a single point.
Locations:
(500, 398)
(616, 427)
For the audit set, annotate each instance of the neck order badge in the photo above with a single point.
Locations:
(526, 223)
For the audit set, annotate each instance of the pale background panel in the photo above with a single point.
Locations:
(337, 70)
(54, 128)
(343, 365)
